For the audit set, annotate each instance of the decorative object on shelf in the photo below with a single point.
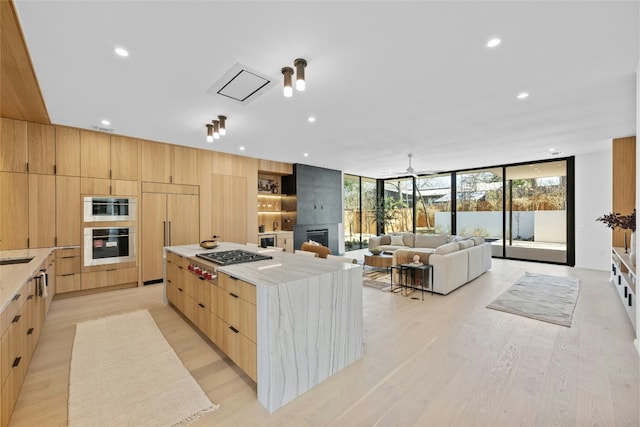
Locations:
(624, 222)
(375, 251)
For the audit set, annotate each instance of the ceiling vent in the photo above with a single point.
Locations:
(241, 84)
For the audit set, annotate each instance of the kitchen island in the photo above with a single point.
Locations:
(289, 322)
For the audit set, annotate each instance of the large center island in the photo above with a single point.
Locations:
(289, 322)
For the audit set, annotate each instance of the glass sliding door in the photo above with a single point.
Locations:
(479, 196)
(536, 212)
(398, 205)
(359, 204)
(433, 204)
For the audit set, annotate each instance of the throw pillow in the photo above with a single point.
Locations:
(385, 239)
(464, 244)
(447, 248)
(314, 243)
(478, 240)
(397, 240)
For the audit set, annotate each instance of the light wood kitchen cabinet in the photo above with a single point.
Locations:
(14, 215)
(68, 270)
(111, 277)
(13, 145)
(169, 164)
(42, 208)
(67, 151)
(68, 211)
(124, 158)
(22, 321)
(185, 165)
(156, 161)
(95, 154)
(41, 143)
(229, 218)
(108, 187)
(284, 240)
(167, 219)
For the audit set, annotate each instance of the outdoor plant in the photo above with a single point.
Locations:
(616, 220)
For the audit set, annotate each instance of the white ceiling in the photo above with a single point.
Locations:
(384, 78)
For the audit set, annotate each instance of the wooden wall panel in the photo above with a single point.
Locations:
(41, 142)
(67, 151)
(20, 96)
(13, 145)
(624, 181)
(278, 168)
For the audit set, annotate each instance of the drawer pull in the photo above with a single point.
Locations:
(234, 278)
(235, 331)
(169, 281)
(201, 277)
(67, 257)
(630, 300)
(30, 297)
(16, 297)
(68, 274)
(201, 305)
(112, 269)
(626, 293)
(180, 289)
(233, 295)
(180, 267)
(16, 361)
(30, 331)
(16, 319)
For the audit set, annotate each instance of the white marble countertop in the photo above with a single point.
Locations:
(284, 267)
(12, 277)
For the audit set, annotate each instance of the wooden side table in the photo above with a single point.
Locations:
(378, 261)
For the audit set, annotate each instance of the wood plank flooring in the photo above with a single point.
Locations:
(444, 361)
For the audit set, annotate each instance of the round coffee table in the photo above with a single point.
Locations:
(378, 261)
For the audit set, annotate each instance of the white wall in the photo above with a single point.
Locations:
(593, 199)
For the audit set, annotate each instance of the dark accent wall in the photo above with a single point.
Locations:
(319, 201)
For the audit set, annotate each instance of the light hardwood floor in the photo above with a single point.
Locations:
(444, 361)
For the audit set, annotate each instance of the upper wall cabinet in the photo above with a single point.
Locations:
(95, 154)
(124, 158)
(41, 142)
(67, 151)
(13, 145)
(169, 164)
(108, 156)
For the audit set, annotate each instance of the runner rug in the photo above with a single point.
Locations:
(543, 297)
(125, 373)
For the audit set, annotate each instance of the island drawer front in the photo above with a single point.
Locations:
(238, 287)
(177, 260)
(14, 307)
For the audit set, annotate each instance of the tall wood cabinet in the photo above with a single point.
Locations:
(14, 212)
(169, 217)
(229, 208)
(42, 208)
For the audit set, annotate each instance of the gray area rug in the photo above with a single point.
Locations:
(543, 297)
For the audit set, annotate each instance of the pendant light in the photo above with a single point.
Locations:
(216, 129)
(223, 129)
(300, 65)
(209, 132)
(288, 90)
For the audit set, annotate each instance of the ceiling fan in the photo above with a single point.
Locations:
(411, 171)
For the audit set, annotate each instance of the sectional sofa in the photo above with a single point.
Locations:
(456, 260)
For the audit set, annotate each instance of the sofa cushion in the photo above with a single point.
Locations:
(385, 239)
(397, 240)
(408, 239)
(447, 248)
(478, 240)
(430, 240)
(464, 244)
(390, 248)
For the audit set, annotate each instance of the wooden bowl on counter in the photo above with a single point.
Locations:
(209, 244)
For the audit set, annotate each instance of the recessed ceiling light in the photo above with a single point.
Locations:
(105, 122)
(552, 149)
(306, 154)
(494, 42)
(311, 119)
(241, 148)
(523, 95)
(121, 51)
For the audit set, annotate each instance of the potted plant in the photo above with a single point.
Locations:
(624, 222)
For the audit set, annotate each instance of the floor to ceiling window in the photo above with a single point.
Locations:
(433, 204)
(536, 211)
(525, 211)
(359, 206)
(398, 205)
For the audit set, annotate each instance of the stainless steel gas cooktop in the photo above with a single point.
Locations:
(236, 256)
